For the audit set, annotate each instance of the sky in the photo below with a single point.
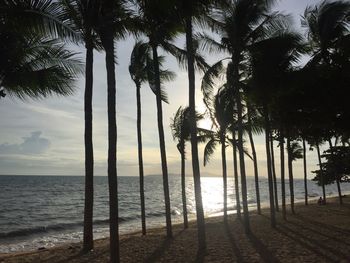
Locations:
(46, 137)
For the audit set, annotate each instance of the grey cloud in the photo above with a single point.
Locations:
(34, 144)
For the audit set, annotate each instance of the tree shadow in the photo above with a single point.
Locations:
(311, 244)
(262, 249)
(235, 248)
(159, 252)
(307, 227)
(322, 225)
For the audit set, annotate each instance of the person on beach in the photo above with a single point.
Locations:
(320, 201)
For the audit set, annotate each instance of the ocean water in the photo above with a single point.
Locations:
(43, 211)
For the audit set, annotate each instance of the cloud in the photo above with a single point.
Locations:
(34, 144)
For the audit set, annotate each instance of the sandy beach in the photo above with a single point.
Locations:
(315, 234)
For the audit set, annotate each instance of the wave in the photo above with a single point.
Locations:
(56, 227)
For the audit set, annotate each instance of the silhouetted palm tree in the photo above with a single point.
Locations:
(305, 172)
(112, 26)
(240, 24)
(82, 16)
(180, 126)
(141, 71)
(160, 25)
(33, 65)
(294, 152)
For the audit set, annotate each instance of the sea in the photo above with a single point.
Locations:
(45, 211)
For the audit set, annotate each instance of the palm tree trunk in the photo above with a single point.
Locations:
(337, 179)
(88, 242)
(224, 174)
(322, 175)
(269, 171)
(241, 160)
(183, 185)
(235, 167)
(139, 144)
(290, 172)
(305, 172)
(255, 162)
(162, 143)
(274, 173)
(112, 148)
(194, 143)
(283, 185)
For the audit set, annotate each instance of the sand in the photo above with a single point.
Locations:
(315, 234)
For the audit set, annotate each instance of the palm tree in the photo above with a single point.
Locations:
(188, 10)
(294, 152)
(283, 185)
(305, 171)
(180, 126)
(83, 18)
(272, 61)
(251, 118)
(159, 25)
(274, 172)
(32, 64)
(138, 73)
(240, 24)
(141, 70)
(111, 26)
(222, 114)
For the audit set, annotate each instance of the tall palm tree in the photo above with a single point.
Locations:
(141, 71)
(112, 25)
(160, 26)
(283, 185)
(82, 16)
(240, 24)
(138, 73)
(272, 61)
(189, 11)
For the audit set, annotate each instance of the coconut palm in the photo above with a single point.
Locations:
(32, 64)
(82, 16)
(140, 70)
(180, 127)
(189, 11)
(222, 118)
(305, 172)
(159, 25)
(112, 22)
(272, 61)
(254, 124)
(294, 152)
(327, 26)
(240, 24)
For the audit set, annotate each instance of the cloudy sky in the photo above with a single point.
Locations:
(45, 137)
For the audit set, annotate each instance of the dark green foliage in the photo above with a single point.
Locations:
(336, 167)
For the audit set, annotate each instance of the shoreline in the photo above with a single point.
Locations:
(134, 246)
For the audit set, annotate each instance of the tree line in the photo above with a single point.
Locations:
(260, 86)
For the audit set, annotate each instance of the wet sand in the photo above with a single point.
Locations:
(314, 234)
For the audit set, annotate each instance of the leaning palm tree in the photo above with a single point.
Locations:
(112, 26)
(82, 16)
